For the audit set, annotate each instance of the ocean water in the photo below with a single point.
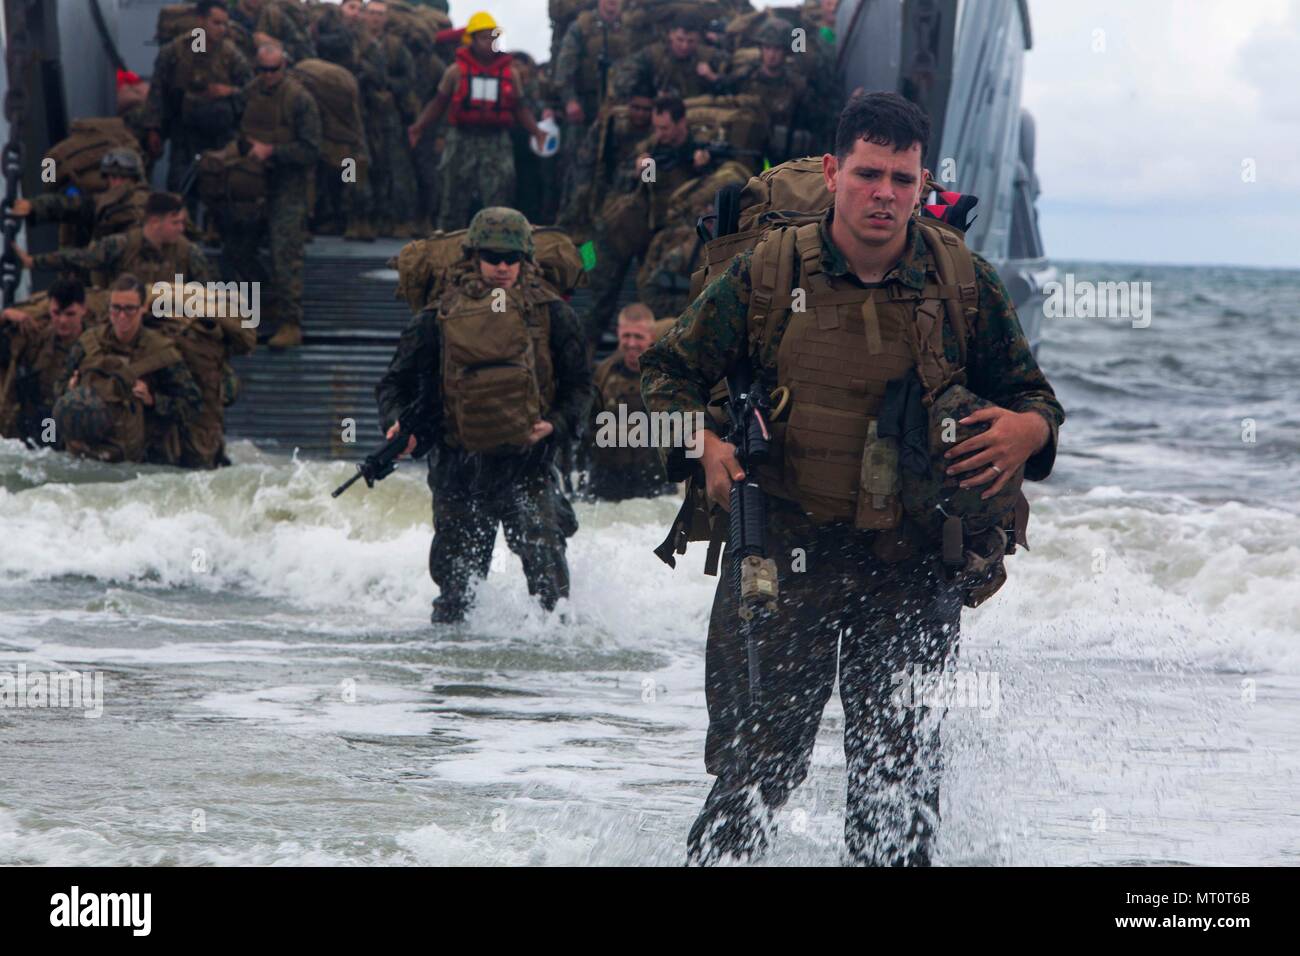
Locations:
(274, 694)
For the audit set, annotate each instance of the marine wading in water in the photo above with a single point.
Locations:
(911, 409)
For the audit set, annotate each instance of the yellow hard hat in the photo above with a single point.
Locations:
(477, 24)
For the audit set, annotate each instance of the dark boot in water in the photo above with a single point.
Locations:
(448, 611)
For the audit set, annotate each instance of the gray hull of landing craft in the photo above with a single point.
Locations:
(962, 61)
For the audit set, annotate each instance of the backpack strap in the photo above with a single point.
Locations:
(958, 287)
(771, 273)
(154, 361)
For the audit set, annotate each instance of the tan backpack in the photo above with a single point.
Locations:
(422, 265)
(497, 370)
(76, 157)
(232, 183)
(736, 121)
(338, 97)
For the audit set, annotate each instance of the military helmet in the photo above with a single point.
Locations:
(121, 162)
(81, 415)
(773, 32)
(930, 496)
(501, 230)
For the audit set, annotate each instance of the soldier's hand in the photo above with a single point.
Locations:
(541, 429)
(22, 207)
(14, 315)
(410, 444)
(706, 71)
(413, 134)
(702, 158)
(219, 90)
(153, 142)
(141, 391)
(999, 452)
(573, 112)
(261, 151)
(720, 469)
(23, 257)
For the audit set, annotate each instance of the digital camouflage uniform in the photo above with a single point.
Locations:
(177, 108)
(394, 192)
(427, 153)
(629, 221)
(207, 344)
(131, 252)
(608, 148)
(360, 54)
(177, 397)
(656, 67)
(883, 615)
(477, 165)
(616, 472)
(297, 141)
(474, 493)
(113, 210)
(39, 359)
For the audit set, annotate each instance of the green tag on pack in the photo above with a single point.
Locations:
(588, 250)
(828, 34)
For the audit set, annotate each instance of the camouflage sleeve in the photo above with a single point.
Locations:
(401, 73)
(102, 255)
(567, 62)
(1001, 367)
(572, 374)
(60, 207)
(409, 385)
(678, 371)
(160, 84)
(199, 268)
(305, 147)
(176, 396)
(371, 68)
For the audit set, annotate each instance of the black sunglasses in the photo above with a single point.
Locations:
(269, 69)
(494, 258)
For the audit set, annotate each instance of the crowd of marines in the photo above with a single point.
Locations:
(382, 118)
(278, 120)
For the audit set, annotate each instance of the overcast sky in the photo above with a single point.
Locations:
(1141, 143)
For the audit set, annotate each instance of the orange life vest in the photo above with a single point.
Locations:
(486, 94)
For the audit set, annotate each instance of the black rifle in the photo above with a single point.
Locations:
(753, 571)
(379, 464)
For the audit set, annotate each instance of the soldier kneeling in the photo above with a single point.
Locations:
(492, 380)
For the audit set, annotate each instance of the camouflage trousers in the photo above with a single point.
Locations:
(339, 202)
(283, 231)
(394, 194)
(477, 170)
(426, 173)
(468, 505)
(871, 620)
